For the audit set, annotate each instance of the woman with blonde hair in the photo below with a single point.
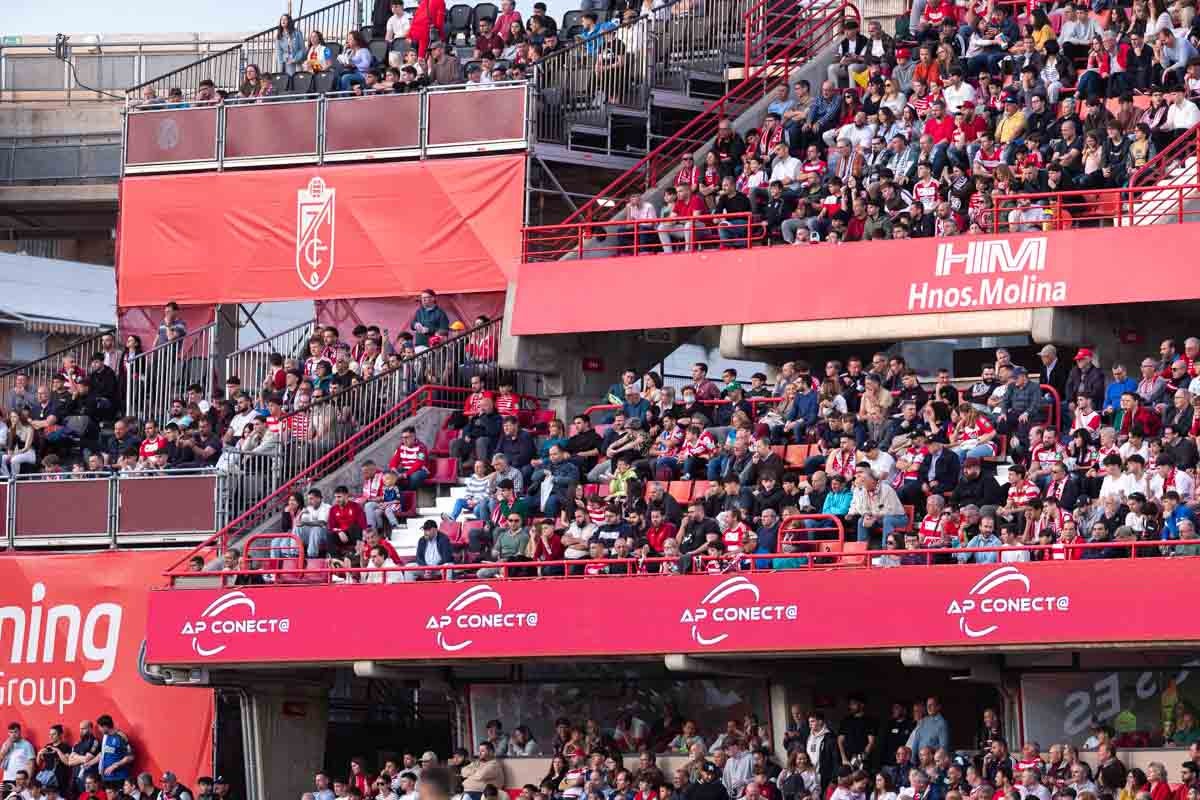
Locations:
(974, 435)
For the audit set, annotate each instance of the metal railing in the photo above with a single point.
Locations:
(312, 128)
(252, 364)
(160, 375)
(1126, 206)
(111, 509)
(641, 237)
(1171, 157)
(579, 85)
(40, 371)
(226, 68)
(698, 36)
(806, 37)
(801, 554)
(68, 157)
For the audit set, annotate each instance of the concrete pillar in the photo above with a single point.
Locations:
(284, 727)
(225, 339)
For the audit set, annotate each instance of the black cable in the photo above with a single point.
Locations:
(64, 56)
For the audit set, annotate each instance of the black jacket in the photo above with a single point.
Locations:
(1090, 383)
(947, 472)
(519, 449)
(981, 491)
(827, 759)
(1057, 377)
(484, 425)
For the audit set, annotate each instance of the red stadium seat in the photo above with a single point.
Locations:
(445, 472)
(441, 442)
(680, 490)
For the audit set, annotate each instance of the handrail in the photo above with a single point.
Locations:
(272, 503)
(663, 158)
(162, 373)
(40, 370)
(1156, 168)
(247, 362)
(240, 48)
(825, 555)
(698, 230)
(1124, 206)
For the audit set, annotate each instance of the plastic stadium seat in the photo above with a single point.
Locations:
(458, 19)
(854, 547)
(453, 531)
(795, 455)
(335, 48)
(324, 82)
(829, 547)
(591, 489)
(281, 84)
(400, 46)
(700, 488)
(572, 19)
(445, 471)
(441, 442)
(368, 32)
(379, 51)
(680, 490)
(779, 450)
(485, 11)
(572, 32)
(467, 527)
(605, 490)
(302, 83)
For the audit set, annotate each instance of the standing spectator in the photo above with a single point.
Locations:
(399, 25)
(932, 731)
(172, 326)
(116, 753)
(482, 772)
(429, 319)
(290, 49)
(822, 750)
(85, 757)
(16, 755)
(856, 734)
(480, 435)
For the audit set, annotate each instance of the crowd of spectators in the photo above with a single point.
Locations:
(917, 135)
(98, 765)
(908, 756)
(406, 50)
(901, 465)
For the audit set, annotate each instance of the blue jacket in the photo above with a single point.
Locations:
(1170, 528)
(1112, 395)
(804, 409)
(837, 503)
(441, 542)
(291, 51)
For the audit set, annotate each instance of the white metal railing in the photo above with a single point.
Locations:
(252, 364)
(40, 371)
(158, 376)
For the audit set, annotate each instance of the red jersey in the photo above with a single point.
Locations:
(942, 130)
(372, 489)
(688, 176)
(973, 127)
(1047, 457)
(297, 425)
(936, 12)
(981, 427)
(471, 404)
(841, 464)
(816, 167)
(507, 405)
(934, 530)
(927, 193)
(407, 460)
(703, 447)
(1090, 421)
(1023, 493)
(691, 208)
(916, 457)
(343, 518)
(734, 536)
(153, 446)
(712, 177)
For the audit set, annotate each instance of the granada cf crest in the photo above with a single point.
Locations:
(314, 233)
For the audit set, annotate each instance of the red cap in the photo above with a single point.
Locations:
(1083, 353)
(967, 104)
(903, 52)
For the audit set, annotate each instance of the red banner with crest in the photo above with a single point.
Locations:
(354, 231)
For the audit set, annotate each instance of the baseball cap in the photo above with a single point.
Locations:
(1019, 371)
(967, 104)
(169, 777)
(903, 52)
(973, 461)
(1083, 353)
(457, 325)
(428, 755)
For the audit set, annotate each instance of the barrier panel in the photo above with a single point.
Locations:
(483, 119)
(303, 129)
(278, 131)
(62, 511)
(387, 125)
(181, 136)
(165, 505)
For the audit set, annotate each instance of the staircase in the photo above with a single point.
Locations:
(776, 41)
(1167, 188)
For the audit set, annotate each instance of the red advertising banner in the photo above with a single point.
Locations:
(859, 279)
(789, 611)
(71, 634)
(364, 230)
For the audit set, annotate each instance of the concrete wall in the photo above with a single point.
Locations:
(426, 423)
(31, 120)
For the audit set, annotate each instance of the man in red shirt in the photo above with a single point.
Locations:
(411, 460)
(154, 445)
(459, 419)
(487, 41)
(686, 205)
(346, 523)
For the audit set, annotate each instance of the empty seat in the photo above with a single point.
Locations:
(368, 32)
(680, 490)
(441, 442)
(700, 488)
(302, 83)
(379, 51)
(281, 84)
(572, 19)
(795, 455)
(335, 48)
(486, 11)
(458, 19)
(445, 471)
(453, 532)
(400, 46)
(324, 82)
(854, 547)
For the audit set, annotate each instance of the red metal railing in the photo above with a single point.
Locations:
(270, 506)
(826, 556)
(1157, 168)
(802, 38)
(754, 402)
(639, 237)
(1121, 207)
